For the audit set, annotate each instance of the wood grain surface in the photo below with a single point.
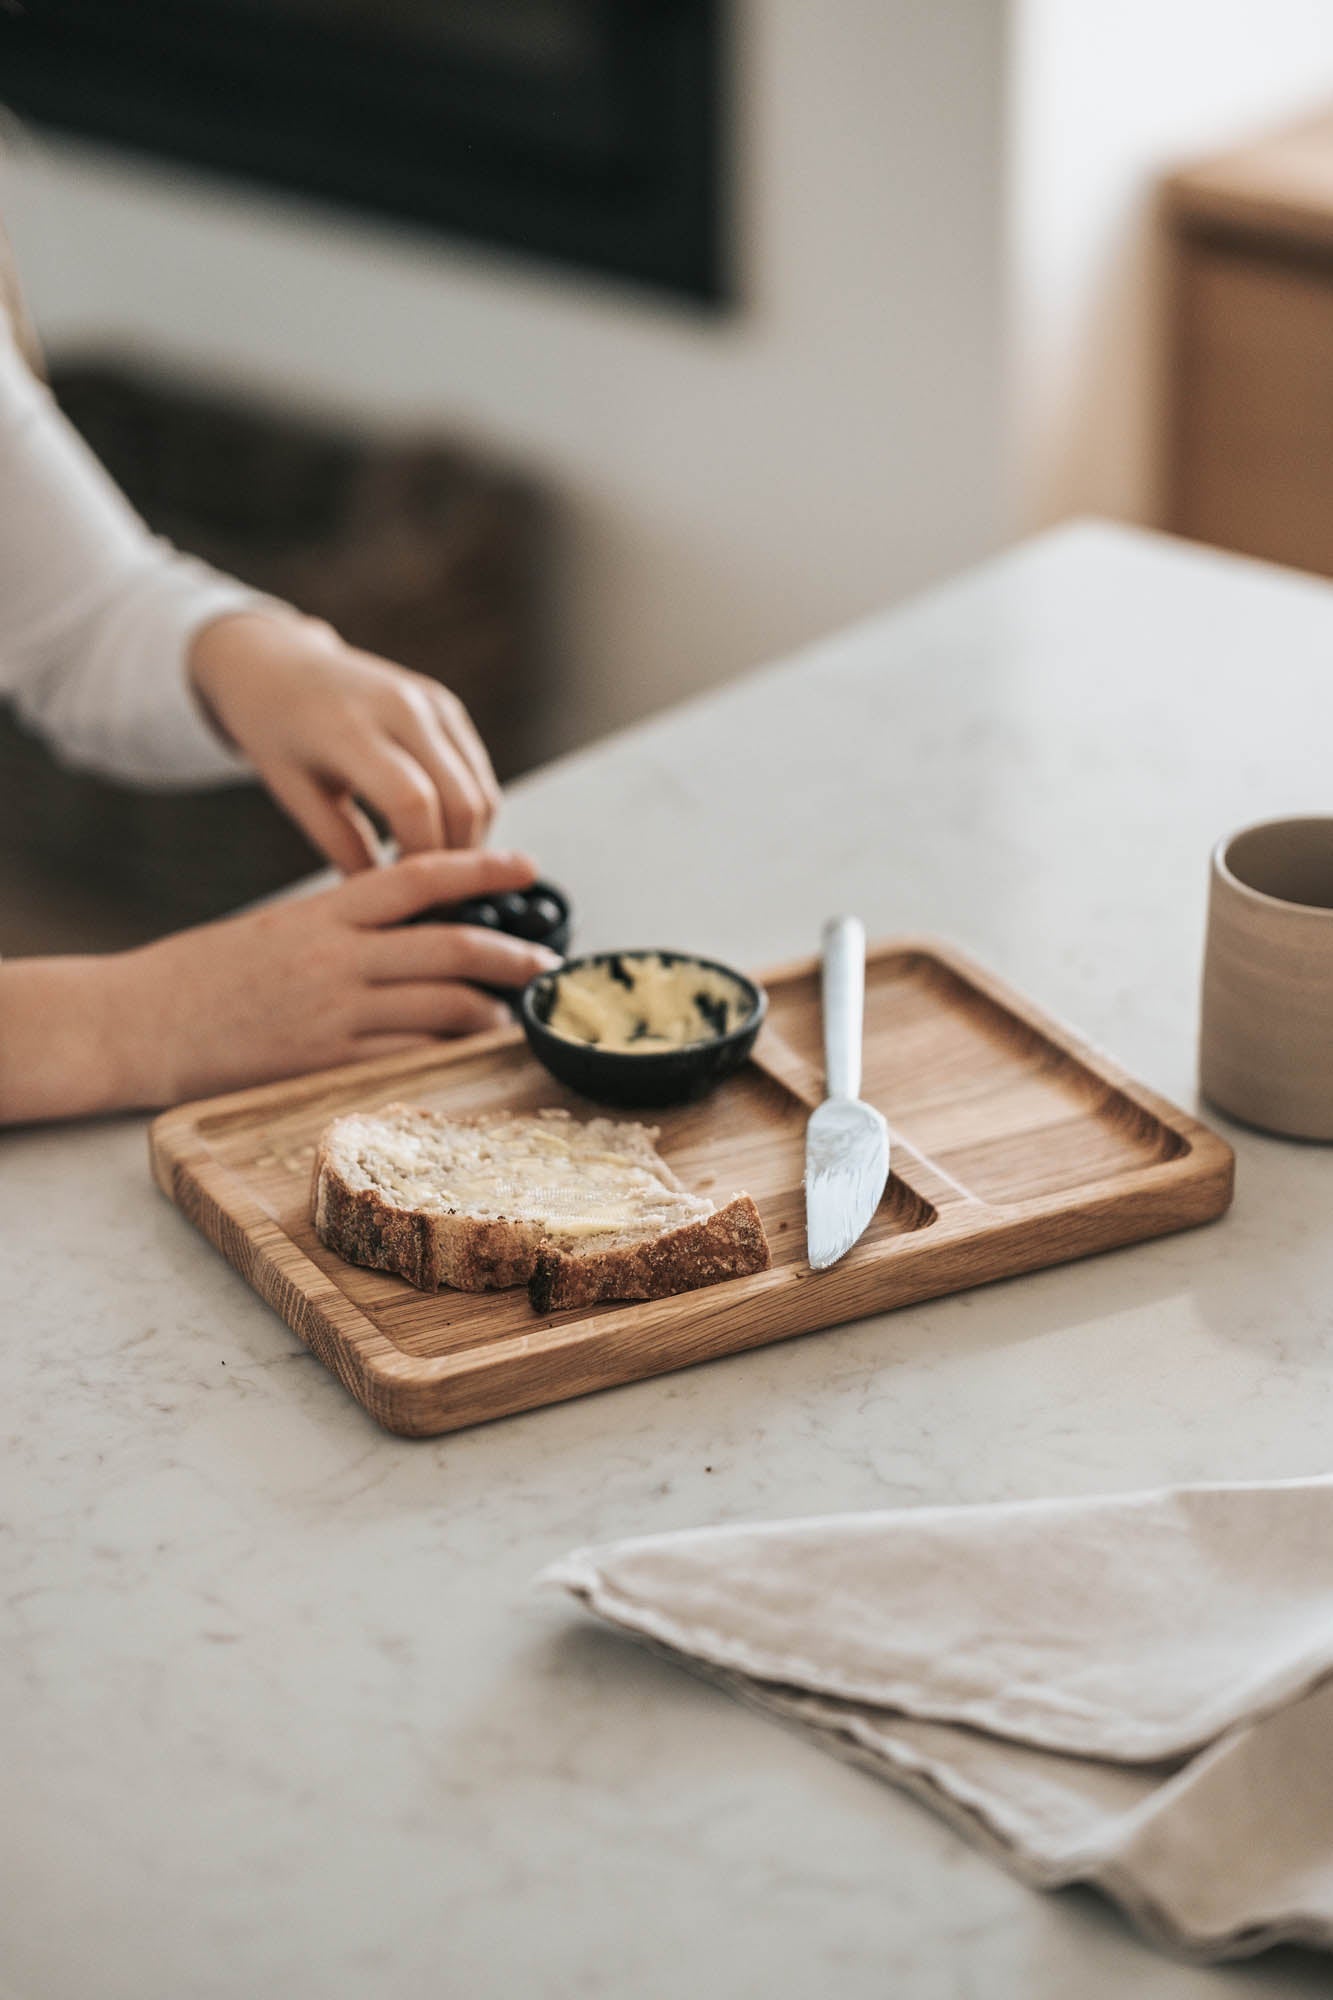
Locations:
(1014, 1146)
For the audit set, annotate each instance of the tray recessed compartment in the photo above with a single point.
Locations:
(1014, 1147)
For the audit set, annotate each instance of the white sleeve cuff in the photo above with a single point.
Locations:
(168, 738)
(131, 711)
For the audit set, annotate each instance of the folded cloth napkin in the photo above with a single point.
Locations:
(1125, 1691)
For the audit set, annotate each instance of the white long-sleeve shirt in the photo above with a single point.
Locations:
(96, 614)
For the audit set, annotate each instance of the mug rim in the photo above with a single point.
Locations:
(1222, 867)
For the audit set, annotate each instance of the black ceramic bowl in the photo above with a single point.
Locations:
(539, 915)
(658, 1076)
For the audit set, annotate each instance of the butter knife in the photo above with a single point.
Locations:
(846, 1141)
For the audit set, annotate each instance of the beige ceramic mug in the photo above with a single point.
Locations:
(1266, 1050)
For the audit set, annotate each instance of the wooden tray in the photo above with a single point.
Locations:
(1014, 1146)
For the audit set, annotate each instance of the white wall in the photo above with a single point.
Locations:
(733, 486)
(1107, 96)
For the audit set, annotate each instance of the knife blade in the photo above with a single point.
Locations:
(846, 1141)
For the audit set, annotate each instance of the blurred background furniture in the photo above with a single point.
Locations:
(1249, 433)
(414, 550)
(934, 234)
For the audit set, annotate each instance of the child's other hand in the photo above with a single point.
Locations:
(325, 726)
(326, 979)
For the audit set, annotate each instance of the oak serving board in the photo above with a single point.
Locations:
(1014, 1146)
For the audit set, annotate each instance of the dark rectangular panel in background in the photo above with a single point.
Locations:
(584, 131)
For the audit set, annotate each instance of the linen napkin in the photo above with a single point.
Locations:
(1125, 1691)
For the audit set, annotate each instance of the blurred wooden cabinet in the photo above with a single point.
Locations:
(1249, 429)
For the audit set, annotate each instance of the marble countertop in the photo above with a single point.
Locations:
(279, 1710)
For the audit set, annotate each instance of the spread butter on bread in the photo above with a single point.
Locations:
(579, 1211)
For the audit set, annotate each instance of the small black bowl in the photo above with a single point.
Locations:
(658, 1076)
(539, 915)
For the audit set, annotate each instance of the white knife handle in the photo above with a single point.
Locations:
(844, 1004)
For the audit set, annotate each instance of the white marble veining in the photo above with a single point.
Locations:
(279, 1712)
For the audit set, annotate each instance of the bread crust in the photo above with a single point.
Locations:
(465, 1251)
(730, 1243)
(474, 1253)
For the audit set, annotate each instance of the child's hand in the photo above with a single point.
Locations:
(295, 987)
(324, 726)
(327, 979)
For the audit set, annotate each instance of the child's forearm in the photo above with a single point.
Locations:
(313, 983)
(69, 1045)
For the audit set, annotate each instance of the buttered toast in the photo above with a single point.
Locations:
(579, 1211)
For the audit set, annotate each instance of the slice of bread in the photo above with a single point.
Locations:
(729, 1243)
(580, 1211)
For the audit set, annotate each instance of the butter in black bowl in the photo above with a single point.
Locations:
(642, 1028)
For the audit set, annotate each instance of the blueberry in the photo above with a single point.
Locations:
(513, 910)
(541, 915)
